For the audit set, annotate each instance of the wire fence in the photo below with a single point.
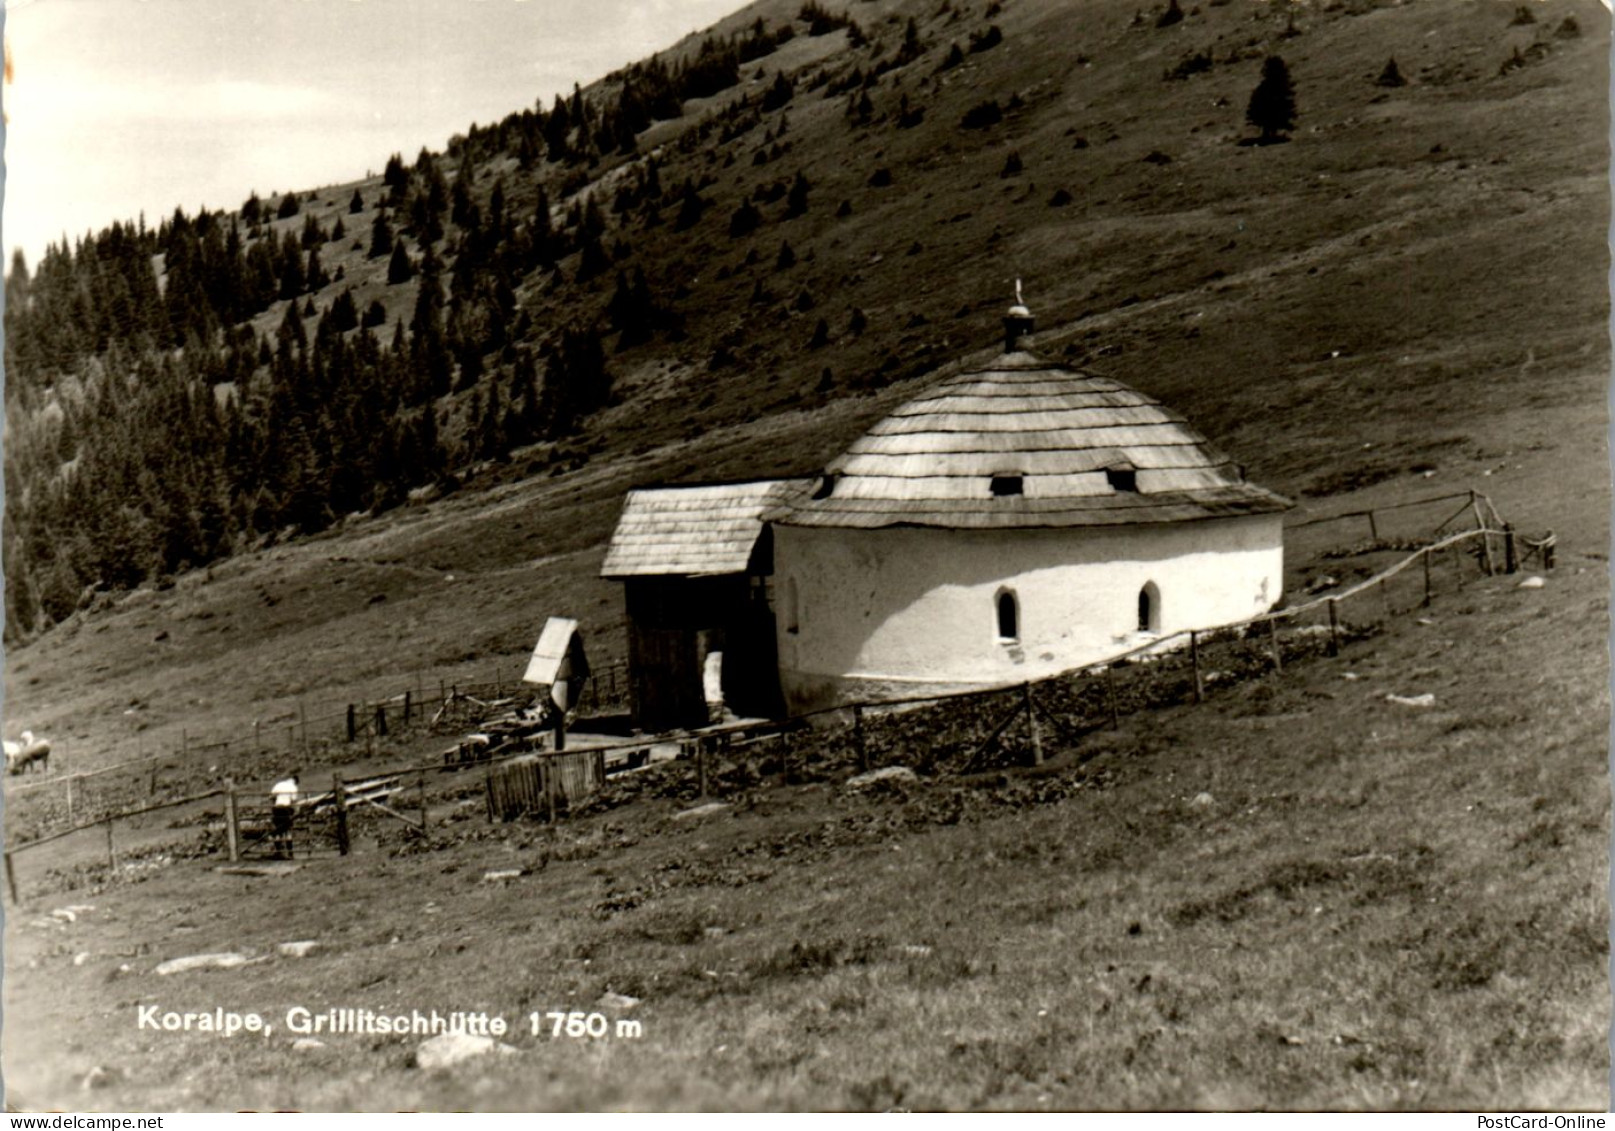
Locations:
(955, 733)
(37, 805)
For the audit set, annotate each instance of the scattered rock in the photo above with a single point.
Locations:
(885, 773)
(609, 1000)
(304, 1044)
(274, 868)
(448, 1049)
(503, 874)
(1426, 621)
(297, 949)
(706, 810)
(715, 932)
(81, 958)
(100, 1077)
(65, 914)
(1425, 700)
(1351, 676)
(226, 961)
(1202, 801)
(1532, 582)
(1324, 582)
(915, 950)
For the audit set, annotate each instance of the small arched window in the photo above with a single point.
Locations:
(1149, 608)
(1009, 615)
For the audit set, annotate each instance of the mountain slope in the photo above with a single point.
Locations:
(1413, 282)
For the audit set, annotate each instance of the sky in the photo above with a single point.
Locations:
(115, 107)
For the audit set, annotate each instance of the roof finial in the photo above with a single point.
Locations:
(1017, 321)
(1020, 303)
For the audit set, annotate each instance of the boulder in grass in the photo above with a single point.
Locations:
(706, 810)
(448, 1049)
(300, 949)
(1532, 583)
(228, 961)
(1425, 700)
(885, 773)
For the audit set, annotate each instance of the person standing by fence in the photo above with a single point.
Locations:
(284, 796)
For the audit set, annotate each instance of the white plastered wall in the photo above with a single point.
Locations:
(881, 613)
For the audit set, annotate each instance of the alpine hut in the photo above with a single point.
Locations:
(695, 563)
(1016, 520)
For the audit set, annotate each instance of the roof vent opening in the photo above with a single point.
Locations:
(1122, 477)
(826, 485)
(1008, 483)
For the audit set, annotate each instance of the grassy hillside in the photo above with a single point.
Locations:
(1381, 908)
(1413, 282)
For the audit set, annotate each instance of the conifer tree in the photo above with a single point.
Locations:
(797, 202)
(400, 269)
(1272, 103)
(381, 236)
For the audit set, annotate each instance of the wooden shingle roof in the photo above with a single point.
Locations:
(1068, 449)
(701, 531)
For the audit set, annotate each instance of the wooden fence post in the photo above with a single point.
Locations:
(340, 793)
(1485, 537)
(858, 736)
(420, 786)
(1425, 557)
(353, 722)
(487, 789)
(701, 765)
(1511, 553)
(1373, 527)
(11, 880)
(1194, 659)
(381, 720)
(1031, 722)
(407, 705)
(232, 829)
(112, 852)
(1334, 626)
(152, 791)
(1273, 643)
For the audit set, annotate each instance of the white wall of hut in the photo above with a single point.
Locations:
(870, 614)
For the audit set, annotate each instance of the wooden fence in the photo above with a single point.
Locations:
(1184, 666)
(543, 785)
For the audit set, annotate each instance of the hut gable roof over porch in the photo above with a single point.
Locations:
(700, 531)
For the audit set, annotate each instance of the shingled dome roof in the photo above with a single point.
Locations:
(1024, 442)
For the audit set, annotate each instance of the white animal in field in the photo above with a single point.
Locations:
(26, 753)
